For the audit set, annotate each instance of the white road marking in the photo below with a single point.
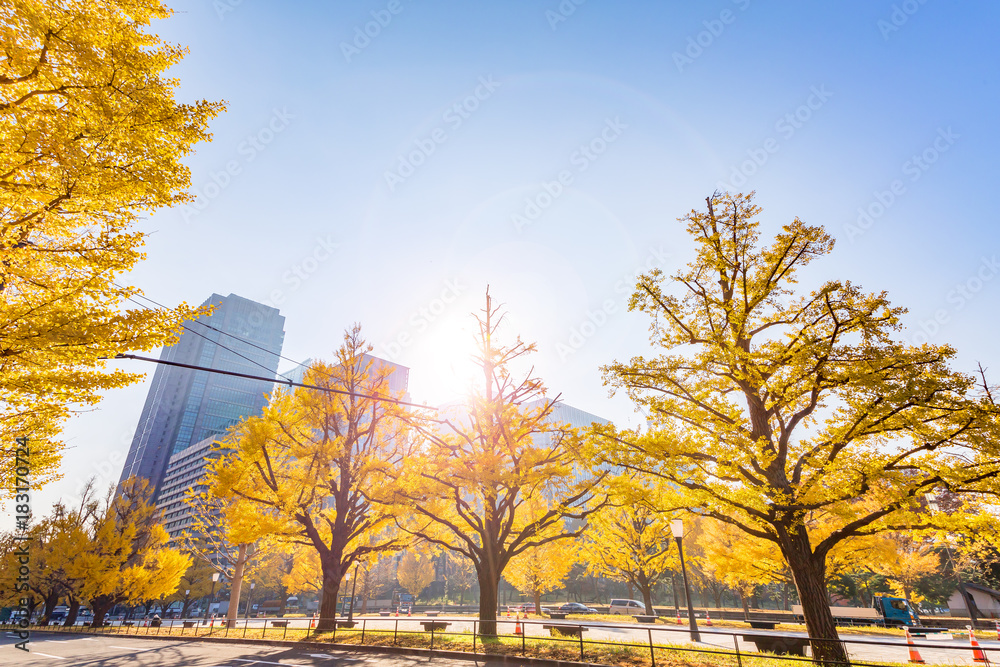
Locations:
(131, 648)
(46, 655)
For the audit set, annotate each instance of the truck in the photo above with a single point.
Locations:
(885, 611)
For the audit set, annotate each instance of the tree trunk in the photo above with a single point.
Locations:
(784, 596)
(236, 585)
(72, 613)
(647, 598)
(51, 600)
(538, 602)
(808, 572)
(186, 606)
(673, 585)
(333, 573)
(746, 606)
(100, 607)
(488, 598)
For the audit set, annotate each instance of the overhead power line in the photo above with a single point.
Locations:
(290, 383)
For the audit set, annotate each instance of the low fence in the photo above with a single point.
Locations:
(566, 639)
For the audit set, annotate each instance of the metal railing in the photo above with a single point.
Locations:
(568, 634)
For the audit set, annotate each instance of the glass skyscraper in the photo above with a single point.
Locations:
(185, 406)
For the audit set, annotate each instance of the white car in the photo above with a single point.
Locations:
(627, 607)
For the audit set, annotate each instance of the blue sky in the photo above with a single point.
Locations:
(819, 107)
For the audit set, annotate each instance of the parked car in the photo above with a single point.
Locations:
(576, 608)
(627, 607)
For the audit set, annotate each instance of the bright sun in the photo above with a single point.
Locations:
(442, 368)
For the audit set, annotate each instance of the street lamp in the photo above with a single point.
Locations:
(187, 594)
(211, 596)
(677, 528)
(250, 599)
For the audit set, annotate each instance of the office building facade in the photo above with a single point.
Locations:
(186, 468)
(185, 406)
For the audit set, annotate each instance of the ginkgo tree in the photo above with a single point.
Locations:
(904, 558)
(91, 138)
(542, 569)
(767, 403)
(415, 572)
(127, 557)
(311, 457)
(468, 481)
(739, 560)
(631, 543)
(231, 535)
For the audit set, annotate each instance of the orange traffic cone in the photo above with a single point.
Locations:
(708, 619)
(517, 628)
(397, 612)
(409, 611)
(679, 618)
(914, 653)
(312, 623)
(978, 655)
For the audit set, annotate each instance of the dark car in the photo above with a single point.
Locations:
(576, 608)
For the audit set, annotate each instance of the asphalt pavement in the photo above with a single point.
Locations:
(51, 650)
(102, 650)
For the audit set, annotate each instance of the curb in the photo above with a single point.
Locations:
(359, 648)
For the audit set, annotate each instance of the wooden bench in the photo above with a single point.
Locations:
(278, 624)
(762, 625)
(435, 626)
(565, 630)
(344, 623)
(643, 618)
(433, 614)
(190, 624)
(558, 615)
(385, 613)
(778, 644)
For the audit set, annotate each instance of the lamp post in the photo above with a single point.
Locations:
(250, 599)
(354, 586)
(187, 594)
(677, 528)
(211, 596)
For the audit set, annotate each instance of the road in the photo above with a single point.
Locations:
(50, 650)
(943, 649)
